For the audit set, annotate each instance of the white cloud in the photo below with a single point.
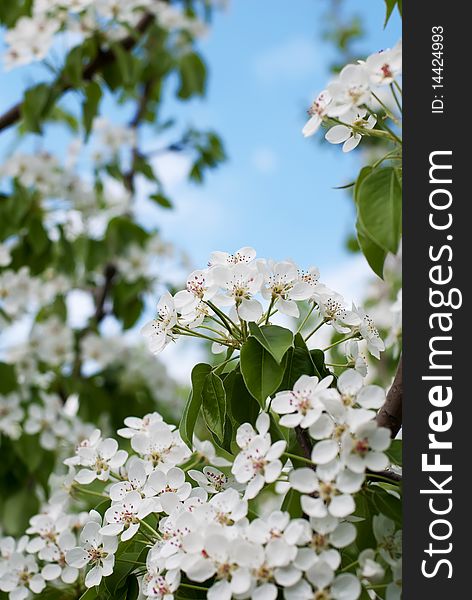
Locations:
(293, 59)
(171, 168)
(264, 160)
(350, 278)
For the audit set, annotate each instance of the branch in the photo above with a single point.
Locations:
(103, 58)
(304, 442)
(102, 292)
(390, 415)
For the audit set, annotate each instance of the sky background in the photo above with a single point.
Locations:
(267, 61)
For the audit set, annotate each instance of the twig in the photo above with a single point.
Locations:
(390, 415)
(103, 291)
(304, 441)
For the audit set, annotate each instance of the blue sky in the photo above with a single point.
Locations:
(276, 192)
(267, 61)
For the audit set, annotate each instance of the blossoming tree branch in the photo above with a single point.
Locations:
(276, 477)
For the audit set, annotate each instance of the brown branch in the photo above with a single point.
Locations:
(102, 292)
(390, 415)
(394, 477)
(103, 59)
(304, 441)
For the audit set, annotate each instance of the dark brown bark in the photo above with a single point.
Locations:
(390, 415)
(103, 291)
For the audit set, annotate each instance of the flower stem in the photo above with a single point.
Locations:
(388, 112)
(131, 562)
(392, 154)
(308, 314)
(315, 329)
(268, 310)
(349, 566)
(190, 333)
(397, 101)
(350, 337)
(222, 315)
(189, 586)
(370, 475)
(89, 492)
(151, 530)
(296, 457)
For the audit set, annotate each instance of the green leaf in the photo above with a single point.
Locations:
(126, 63)
(73, 66)
(364, 508)
(276, 340)
(143, 167)
(37, 236)
(192, 408)
(387, 504)
(241, 405)
(192, 73)
(7, 378)
(379, 203)
(395, 452)
(291, 504)
(93, 95)
(90, 594)
(214, 405)
(318, 358)
(36, 101)
(374, 254)
(261, 372)
(17, 510)
(389, 6)
(161, 200)
(297, 363)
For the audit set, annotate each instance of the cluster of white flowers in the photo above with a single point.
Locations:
(20, 292)
(204, 531)
(58, 428)
(32, 37)
(28, 564)
(230, 293)
(195, 519)
(350, 98)
(62, 190)
(43, 172)
(144, 262)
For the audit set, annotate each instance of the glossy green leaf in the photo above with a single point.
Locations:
(395, 452)
(261, 372)
(8, 381)
(161, 200)
(379, 203)
(93, 95)
(192, 74)
(374, 254)
(192, 408)
(214, 405)
(36, 101)
(275, 339)
(387, 504)
(318, 358)
(242, 407)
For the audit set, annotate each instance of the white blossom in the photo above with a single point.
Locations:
(95, 550)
